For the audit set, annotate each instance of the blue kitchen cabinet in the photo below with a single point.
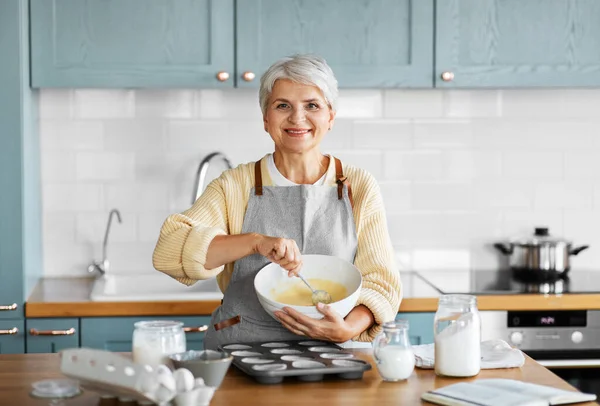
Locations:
(12, 335)
(516, 43)
(51, 335)
(376, 43)
(20, 214)
(132, 43)
(420, 327)
(115, 333)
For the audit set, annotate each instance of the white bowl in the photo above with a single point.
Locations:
(272, 279)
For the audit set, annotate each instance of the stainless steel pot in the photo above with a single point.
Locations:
(540, 253)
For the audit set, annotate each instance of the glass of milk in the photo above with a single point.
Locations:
(393, 354)
(154, 341)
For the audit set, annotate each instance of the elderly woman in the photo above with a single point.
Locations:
(294, 201)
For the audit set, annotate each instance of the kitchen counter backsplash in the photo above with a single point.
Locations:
(458, 170)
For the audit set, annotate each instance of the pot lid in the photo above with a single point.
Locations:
(541, 236)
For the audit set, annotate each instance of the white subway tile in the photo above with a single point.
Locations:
(104, 103)
(152, 167)
(175, 103)
(551, 102)
(471, 164)
(340, 136)
(68, 259)
(500, 193)
(368, 160)
(582, 165)
(137, 197)
(572, 195)
(359, 104)
(441, 196)
(132, 258)
(91, 227)
(105, 166)
(58, 166)
(413, 165)
(235, 104)
(149, 225)
(463, 228)
(244, 134)
(59, 227)
(533, 165)
(443, 259)
(66, 135)
(135, 135)
(396, 196)
(415, 227)
(197, 135)
(522, 223)
(69, 197)
(596, 196)
(383, 134)
(430, 134)
(413, 103)
(472, 103)
(56, 103)
(580, 226)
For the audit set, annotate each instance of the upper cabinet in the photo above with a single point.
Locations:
(132, 43)
(516, 43)
(376, 43)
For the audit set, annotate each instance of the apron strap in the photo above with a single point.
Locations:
(341, 180)
(257, 179)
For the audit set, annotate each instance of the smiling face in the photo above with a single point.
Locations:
(297, 117)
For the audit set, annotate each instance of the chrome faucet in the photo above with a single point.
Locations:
(102, 267)
(201, 173)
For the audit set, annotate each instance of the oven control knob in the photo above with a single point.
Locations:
(516, 337)
(577, 337)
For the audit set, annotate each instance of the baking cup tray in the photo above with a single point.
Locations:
(307, 360)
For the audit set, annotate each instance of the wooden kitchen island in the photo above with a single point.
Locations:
(17, 372)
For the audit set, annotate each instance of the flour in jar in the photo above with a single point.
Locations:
(395, 363)
(458, 347)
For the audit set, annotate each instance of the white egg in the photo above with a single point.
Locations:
(164, 395)
(184, 380)
(168, 381)
(149, 383)
(163, 369)
(199, 382)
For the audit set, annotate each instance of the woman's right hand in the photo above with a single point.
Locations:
(282, 251)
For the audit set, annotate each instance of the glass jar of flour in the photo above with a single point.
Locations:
(154, 341)
(457, 332)
(393, 354)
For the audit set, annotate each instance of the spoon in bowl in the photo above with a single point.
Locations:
(318, 296)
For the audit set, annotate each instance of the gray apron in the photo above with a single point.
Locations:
(318, 218)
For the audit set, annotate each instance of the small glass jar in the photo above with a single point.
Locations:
(457, 332)
(154, 341)
(393, 354)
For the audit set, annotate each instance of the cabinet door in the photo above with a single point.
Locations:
(516, 43)
(12, 338)
(51, 335)
(376, 43)
(115, 333)
(420, 327)
(131, 43)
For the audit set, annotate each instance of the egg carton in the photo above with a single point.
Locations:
(307, 360)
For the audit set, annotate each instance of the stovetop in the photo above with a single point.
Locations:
(495, 282)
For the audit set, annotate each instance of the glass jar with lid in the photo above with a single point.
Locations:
(457, 336)
(154, 341)
(393, 354)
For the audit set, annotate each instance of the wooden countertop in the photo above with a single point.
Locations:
(17, 372)
(69, 297)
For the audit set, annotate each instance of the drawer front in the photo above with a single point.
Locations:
(51, 335)
(12, 337)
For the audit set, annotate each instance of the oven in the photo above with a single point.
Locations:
(565, 341)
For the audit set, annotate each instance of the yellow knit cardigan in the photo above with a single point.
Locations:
(184, 238)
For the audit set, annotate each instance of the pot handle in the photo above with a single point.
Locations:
(503, 249)
(577, 250)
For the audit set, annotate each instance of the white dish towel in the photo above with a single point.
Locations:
(494, 354)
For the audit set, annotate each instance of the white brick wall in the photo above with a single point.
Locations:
(458, 169)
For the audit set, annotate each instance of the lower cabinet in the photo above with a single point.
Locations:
(51, 335)
(420, 327)
(12, 336)
(115, 333)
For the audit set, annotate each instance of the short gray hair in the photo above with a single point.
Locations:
(305, 69)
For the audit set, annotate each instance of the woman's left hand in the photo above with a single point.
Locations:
(332, 327)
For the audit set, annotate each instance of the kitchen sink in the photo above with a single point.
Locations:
(151, 287)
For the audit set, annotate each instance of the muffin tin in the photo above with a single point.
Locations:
(307, 360)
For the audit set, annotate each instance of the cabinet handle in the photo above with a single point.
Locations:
(447, 76)
(68, 332)
(10, 332)
(195, 329)
(248, 76)
(9, 307)
(222, 76)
